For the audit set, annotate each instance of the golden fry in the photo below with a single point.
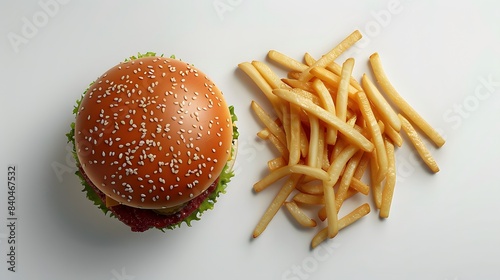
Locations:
(269, 122)
(299, 215)
(332, 54)
(403, 105)
(331, 208)
(276, 163)
(276, 204)
(295, 129)
(313, 141)
(358, 186)
(327, 117)
(268, 74)
(374, 129)
(286, 61)
(328, 129)
(281, 172)
(347, 176)
(308, 199)
(331, 79)
(376, 184)
(280, 147)
(345, 221)
(328, 105)
(419, 145)
(390, 182)
(340, 161)
(343, 90)
(381, 105)
(311, 188)
(257, 78)
(307, 86)
(308, 59)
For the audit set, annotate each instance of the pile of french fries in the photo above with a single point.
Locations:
(328, 129)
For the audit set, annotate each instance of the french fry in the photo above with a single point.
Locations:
(308, 59)
(293, 75)
(276, 204)
(340, 161)
(332, 54)
(322, 213)
(285, 109)
(376, 184)
(315, 188)
(313, 141)
(276, 163)
(306, 95)
(331, 79)
(345, 221)
(280, 147)
(328, 130)
(419, 145)
(374, 130)
(327, 117)
(338, 147)
(269, 122)
(272, 177)
(390, 181)
(295, 138)
(347, 176)
(268, 74)
(381, 105)
(327, 103)
(286, 61)
(309, 199)
(331, 208)
(402, 104)
(393, 135)
(325, 163)
(307, 86)
(343, 90)
(264, 134)
(257, 78)
(281, 172)
(362, 166)
(335, 68)
(359, 186)
(304, 143)
(316, 173)
(321, 146)
(322, 210)
(299, 215)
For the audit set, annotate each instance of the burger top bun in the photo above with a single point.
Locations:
(153, 132)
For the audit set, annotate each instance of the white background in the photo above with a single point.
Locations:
(443, 58)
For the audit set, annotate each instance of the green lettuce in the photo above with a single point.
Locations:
(207, 204)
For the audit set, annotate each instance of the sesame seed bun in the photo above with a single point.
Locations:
(153, 133)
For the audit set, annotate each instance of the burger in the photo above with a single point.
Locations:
(154, 142)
